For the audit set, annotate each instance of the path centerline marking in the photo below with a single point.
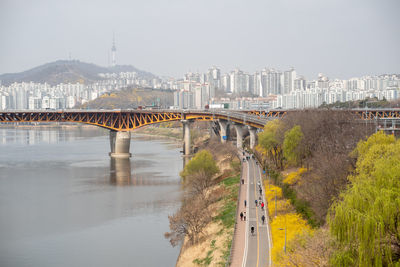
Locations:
(258, 233)
(244, 262)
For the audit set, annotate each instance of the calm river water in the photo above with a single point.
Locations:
(64, 202)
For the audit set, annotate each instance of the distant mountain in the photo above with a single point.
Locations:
(131, 97)
(68, 71)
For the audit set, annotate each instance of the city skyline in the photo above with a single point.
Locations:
(268, 88)
(112, 62)
(341, 39)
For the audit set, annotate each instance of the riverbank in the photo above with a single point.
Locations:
(213, 249)
(165, 132)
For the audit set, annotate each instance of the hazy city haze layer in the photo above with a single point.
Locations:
(340, 38)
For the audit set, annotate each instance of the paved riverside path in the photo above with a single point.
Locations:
(240, 230)
(251, 250)
(258, 248)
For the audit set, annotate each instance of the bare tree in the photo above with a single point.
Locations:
(329, 137)
(198, 183)
(190, 220)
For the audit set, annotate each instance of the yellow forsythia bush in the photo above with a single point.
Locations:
(294, 225)
(294, 177)
(270, 191)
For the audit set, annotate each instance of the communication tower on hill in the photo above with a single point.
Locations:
(113, 52)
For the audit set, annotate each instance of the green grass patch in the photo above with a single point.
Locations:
(208, 258)
(227, 214)
(233, 180)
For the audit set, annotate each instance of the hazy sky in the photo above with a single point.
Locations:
(341, 38)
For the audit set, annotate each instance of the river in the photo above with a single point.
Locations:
(64, 202)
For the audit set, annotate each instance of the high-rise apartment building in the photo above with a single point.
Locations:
(226, 82)
(300, 83)
(288, 81)
(214, 78)
(271, 82)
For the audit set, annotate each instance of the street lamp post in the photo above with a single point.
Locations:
(366, 118)
(284, 247)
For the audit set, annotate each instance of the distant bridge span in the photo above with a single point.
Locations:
(364, 114)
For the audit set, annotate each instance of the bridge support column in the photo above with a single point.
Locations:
(240, 132)
(120, 143)
(186, 137)
(253, 136)
(223, 125)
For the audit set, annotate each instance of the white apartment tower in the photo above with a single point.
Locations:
(288, 81)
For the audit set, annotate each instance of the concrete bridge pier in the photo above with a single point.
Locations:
(223, 125)
(120, 143)
(186, 137)
(253, 136)
(240, 132)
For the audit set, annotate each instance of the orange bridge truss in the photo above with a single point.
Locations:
(125, 120)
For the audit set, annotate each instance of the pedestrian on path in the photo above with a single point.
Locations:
(260, 191)
(262, 205)
(258, 183)
(255, 201)
(242, 181)
(245, 203)
(244, 216)
(241, 216)
(252, 230)
(263, 219)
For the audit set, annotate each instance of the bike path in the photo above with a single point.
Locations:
(258, 244)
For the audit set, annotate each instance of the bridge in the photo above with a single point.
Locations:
(121, 122)
(364, 114)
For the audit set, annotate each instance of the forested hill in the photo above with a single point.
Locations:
(67, 71)
(129, 98)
